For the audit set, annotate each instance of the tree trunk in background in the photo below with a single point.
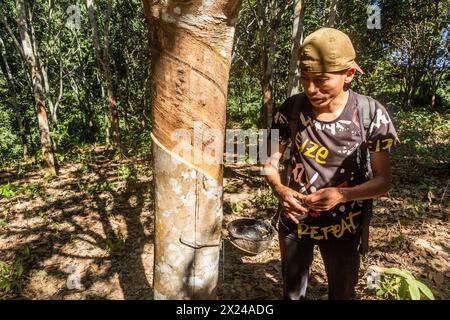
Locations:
(191, 46)
(434, 78)
(29, 50)
(331, 21)
(104, 61)
(297, 40)
(4, 66)
(268, 47)
(42, 70)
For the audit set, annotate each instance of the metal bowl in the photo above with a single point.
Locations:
(251, 235)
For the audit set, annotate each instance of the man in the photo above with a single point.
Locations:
(321, 204)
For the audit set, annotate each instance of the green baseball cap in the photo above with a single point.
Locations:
(327, 50)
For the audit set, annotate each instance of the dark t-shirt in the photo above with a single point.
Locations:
(328, 154)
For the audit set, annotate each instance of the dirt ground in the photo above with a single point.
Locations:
(88, 234)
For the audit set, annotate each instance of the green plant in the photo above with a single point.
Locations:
(417, 207)
(398, 241)
(267, 199)
(73, 236)
(56, 226)
(105, 186)
(60, 157)
(236, 207)
(86, 188)
(3, 223)
(30, 189)
(400, 284)
(49, 177)
(114, 245)
(11, 277)
(26, 252)
(127, 174)
(42, 215)
(8, 190)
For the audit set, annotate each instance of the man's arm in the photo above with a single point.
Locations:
(289, 199)
(327, 198)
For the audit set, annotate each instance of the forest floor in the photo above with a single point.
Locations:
(88, 234)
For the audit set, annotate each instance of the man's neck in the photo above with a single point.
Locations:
(334, 108)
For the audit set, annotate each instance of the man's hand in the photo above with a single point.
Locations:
(292, 203)
(325, 199)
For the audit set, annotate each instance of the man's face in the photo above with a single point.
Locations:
(323, 88)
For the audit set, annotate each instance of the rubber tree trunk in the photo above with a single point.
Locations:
(104, 58)
(297, 40)
(29, 49)
(191, 46)
(267, 37)
(331, 21)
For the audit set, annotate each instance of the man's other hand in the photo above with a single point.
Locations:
(292, 203)
(324, 199)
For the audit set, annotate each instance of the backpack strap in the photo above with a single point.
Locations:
(365, 113)
(365, 106)
(285, 174)
(294, 122)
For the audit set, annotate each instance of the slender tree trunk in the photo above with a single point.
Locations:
(331, 21)
(42, 69)
(104, 61)
(106, 117)
(29, 48)
(191, 46)
(267, 35)
(4, 65)
(434, 71)
(297, 40)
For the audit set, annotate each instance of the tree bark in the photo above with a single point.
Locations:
(42, 70)
(331, 21)
(29, 49)
(297, 40)
(104, 61)
(267, 37)
(191, 46)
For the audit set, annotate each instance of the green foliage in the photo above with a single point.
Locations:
(73, 236)
(405, 66)
(12, 277)
(91, 189)
(267, 199)
(416, 207)
(3, 223)
(56, 226)
(86, 188)
(8, 190)
(114, 245)
(236, 207)
(10, 145)
(424, 138)
(127, 173)
(400, 284)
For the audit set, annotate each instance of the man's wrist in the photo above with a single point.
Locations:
(277, 188)
(346, 194)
